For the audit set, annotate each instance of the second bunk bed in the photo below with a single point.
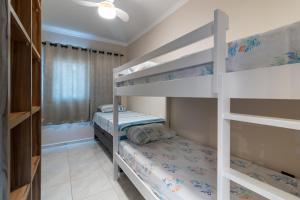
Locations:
(265, 66)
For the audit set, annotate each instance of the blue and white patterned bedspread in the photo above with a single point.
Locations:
(126, 119)
(181, 169)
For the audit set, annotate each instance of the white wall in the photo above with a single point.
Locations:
(275, 148)
(57, 134)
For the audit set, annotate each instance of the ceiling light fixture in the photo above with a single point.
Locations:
(107, 10)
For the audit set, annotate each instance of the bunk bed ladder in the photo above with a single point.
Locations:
(225, 173)
(259, 187)
(219, 58)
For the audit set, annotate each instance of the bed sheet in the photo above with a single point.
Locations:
(181, 169)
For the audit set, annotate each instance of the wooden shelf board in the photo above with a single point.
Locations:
(39, 4)
(36, 54)
(35, 109)
(19, 23)
(34, 166)
(17, 118)
(21, 193)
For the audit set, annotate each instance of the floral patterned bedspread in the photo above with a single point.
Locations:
(273, 48)
(183, 170)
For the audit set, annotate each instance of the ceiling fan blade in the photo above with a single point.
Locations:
(86, 3)
(122, 15)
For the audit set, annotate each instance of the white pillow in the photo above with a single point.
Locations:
(109, 108)
(148, 133)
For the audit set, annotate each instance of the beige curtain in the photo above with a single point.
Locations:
(65, 84)
(75, 82)
(101, 86)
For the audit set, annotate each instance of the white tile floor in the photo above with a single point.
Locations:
(82, 172)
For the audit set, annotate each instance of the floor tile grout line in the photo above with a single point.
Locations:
(99, 155)
(69, 169)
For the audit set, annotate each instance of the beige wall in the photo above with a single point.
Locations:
(275, 148)
(246, 18)
(148, 105)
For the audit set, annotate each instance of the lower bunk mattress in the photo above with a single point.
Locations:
(181, 169)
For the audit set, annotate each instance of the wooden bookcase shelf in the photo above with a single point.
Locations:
(20, 155)
(35, 164)
(35, 109)
(20, 71)
(36, 134)
(36, 82)
(15, 119)
(36, 184)
(36, 28)
(24, 100)
(36, 156)
(17, 25)
(21, 193)
(23, 11)
(36, 54)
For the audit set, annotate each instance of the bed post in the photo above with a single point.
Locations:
(168, 111)
(220, 53)
(115, 129)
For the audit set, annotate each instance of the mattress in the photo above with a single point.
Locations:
(126, 119)
(181, 169)
(273, 48)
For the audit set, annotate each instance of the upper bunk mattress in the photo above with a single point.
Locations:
(181, 169)
(126, 119)
(273, 48)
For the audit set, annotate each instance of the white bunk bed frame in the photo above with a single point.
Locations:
(262, 83)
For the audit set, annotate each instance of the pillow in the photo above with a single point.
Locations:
(109, 108)
(148, 133)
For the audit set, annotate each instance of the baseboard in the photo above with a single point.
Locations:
(67, 143)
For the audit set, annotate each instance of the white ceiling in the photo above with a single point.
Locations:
(64, 16)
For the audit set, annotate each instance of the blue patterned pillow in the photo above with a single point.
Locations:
(148, 133)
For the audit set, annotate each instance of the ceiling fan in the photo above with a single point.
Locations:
(106, 9)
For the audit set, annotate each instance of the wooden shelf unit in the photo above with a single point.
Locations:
(35, 109)
(20, 155)
(34, 166)
(36, 28)
(24, 100)
(16, 118)
(20, 194)
(36, 82)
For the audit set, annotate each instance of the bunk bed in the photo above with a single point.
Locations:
(205, 75)
(103, 125)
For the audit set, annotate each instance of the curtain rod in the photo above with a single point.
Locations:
(83, 49)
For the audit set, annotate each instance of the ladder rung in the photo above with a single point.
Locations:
(269, 121)
(259, 187)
